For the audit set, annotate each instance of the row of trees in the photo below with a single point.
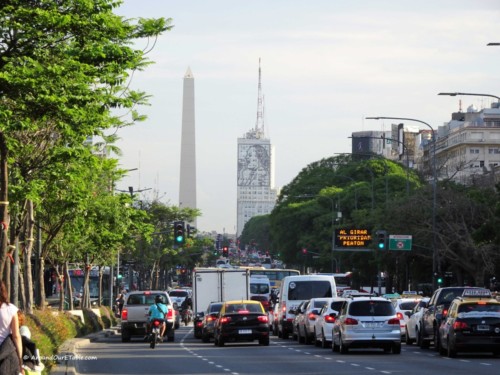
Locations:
(65, 72)
(379, 194)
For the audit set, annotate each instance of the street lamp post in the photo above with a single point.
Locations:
(468, 94)
(434, 190)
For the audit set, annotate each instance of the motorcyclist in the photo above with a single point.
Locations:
(159, 311)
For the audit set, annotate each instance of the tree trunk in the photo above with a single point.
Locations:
(41, 283)
(99, 298)
(69, 286)
(4, 204)
(28, 278)
(86, 288)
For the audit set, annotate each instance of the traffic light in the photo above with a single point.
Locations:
(179, 234)
(440, 280)
(381, 239)
(304, 251)
(225, 251)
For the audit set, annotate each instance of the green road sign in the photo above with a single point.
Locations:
(400, 242)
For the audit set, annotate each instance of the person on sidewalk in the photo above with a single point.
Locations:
(11, 347)
(31, 356)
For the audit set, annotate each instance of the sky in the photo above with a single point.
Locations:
(326, 66)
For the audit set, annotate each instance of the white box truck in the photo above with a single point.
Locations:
(217, 285)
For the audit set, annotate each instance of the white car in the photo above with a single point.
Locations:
(307, 319)
(324, 321)
(412, 328)
(402, 307)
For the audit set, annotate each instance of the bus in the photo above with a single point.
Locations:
(274, 275)
(77, 278)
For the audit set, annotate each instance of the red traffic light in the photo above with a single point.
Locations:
(304, 251)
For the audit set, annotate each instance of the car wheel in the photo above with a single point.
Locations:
(307, 337)
(424, 344)
(205, 338)
(316, 341)
(302, 339)
(264, 341)
(125, 336)
(220, 342)
(452, 353)
(324, 343)
(396, 348)
(408, 341)
(437, 341)
(343, 347)
(285, 335)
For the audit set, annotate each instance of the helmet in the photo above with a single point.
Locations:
(159, 299)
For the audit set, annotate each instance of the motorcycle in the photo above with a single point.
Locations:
(187, 316)
(154, 336)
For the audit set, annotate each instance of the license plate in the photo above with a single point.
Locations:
(371, 325)
(245, 331)
(483, 327)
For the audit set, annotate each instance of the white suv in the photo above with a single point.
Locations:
(367, 322)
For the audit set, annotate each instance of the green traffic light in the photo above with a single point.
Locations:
(381, 246)
(179, 239)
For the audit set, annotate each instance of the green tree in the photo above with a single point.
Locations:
(64, 67)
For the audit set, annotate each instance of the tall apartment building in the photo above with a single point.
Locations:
(468, 146)
(256, 194)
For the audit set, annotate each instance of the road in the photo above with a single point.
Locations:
(188, 355)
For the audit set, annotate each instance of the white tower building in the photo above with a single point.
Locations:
(187, 186)
(256, 194)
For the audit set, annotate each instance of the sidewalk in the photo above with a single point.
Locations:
(67, 351)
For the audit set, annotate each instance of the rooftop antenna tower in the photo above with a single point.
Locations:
(259, 123)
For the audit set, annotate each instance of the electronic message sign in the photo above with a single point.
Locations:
(354, 239)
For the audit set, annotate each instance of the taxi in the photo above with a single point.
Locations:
(472, 324)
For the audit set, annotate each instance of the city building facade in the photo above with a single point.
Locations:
(256, 194)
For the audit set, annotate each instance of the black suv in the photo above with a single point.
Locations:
(433, 314)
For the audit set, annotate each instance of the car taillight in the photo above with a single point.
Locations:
(312, 316)
(243, 312)
(124, 314)
(225, 319)
(459, 326)
(210, 318)
(199, 324)
(263, 319)
(393, 321)
(170, 314)
(329, 319)
(400, 316)
(283, 307)
(445, 312)
(352, 322)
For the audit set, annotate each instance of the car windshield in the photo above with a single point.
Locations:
(371, 308)
(301, 290)
(144, 299)
(447, 296)
(238, 308)
(337, 305)
(407, 305)
(178, 293)
(259, 288)
(475, 307)
(215, 308)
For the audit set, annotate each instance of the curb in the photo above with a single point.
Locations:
(67, 352)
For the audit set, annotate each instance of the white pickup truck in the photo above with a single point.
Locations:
(134, 316)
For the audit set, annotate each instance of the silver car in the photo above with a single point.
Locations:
(367, 322)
